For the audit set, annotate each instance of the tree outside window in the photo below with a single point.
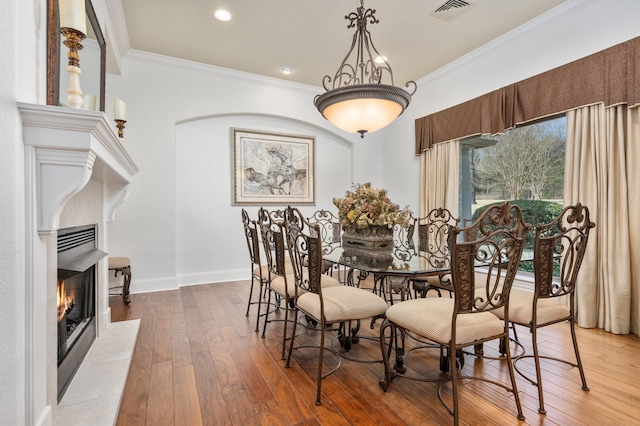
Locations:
(524, 166)
(526, 163)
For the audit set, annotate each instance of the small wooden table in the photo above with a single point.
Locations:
(122, 265)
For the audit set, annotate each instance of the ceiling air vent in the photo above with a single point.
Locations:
(451, 10)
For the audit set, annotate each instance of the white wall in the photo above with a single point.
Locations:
(209, 232)
(170, 233)
(22, 69)
(178, 225)
(161, 95)
(573, 30)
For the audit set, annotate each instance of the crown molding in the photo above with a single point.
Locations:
(140, 55)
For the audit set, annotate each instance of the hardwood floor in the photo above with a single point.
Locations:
(198, 361)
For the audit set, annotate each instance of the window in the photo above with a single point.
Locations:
(524, 166)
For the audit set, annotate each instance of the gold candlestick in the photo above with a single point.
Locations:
(120, 126)
(73, 40)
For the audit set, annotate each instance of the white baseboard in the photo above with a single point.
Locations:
(153, 284)
(174, 283)
(213, 277)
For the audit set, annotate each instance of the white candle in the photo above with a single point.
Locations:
(73, 15)
(119, 110)
(90, 102)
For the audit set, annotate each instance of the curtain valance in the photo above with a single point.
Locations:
(611, 76)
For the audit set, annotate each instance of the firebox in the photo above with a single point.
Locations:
(77, 277)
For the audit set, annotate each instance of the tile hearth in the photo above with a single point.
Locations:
(93, 397)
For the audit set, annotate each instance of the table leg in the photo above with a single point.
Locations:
(126, 272)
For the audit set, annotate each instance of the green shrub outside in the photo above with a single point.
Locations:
(533, 212)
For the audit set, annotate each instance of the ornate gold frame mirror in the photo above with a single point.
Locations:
(92, 58)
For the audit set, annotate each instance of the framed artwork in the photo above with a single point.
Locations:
(272, 168)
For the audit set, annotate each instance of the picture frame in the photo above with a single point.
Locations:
(272, 168)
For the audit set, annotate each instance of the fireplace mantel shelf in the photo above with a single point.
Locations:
(71, 147)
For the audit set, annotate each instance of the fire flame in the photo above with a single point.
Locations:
(65, 301)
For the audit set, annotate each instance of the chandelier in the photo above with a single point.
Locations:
(356, 100)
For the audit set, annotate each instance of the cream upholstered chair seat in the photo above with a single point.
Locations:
(343, 303)
(411, 315)
(287, 286)
(278, 265)
(259, 271)
(559, 248)
(320, 302)
(432, 231)
(119, 262)
(265, 269)
(465, 320)
(521, 308)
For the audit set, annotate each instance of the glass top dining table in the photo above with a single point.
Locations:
(406, 259)
(394, 268)
(395, 261)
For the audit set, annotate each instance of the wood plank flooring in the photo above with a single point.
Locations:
(198, 361)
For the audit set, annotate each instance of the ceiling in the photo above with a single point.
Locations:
(312, 35)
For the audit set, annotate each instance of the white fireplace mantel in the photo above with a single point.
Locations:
(66, 151)
(71, 147)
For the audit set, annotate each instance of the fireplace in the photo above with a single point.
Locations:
(77, 278)
(77, 172)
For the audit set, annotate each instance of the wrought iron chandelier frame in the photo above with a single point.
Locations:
(362, 77)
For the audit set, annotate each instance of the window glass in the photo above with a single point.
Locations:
(524, 166)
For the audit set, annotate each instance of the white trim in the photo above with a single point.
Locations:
(151, 285)
(185, 280)
(220, 71)
(114, 197)
(71, 146)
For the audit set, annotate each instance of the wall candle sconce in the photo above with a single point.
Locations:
(73, 27)
(120, 115)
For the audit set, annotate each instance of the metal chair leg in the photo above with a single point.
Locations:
(578, 360)
(536, 358)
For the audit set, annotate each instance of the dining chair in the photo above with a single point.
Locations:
(330, 234)
(462, 321)
(259, 271)
(281, 281)
(559, 249)
(330, 229)
(339, 304)
(433, 245)
(270, 224)
(498, 216)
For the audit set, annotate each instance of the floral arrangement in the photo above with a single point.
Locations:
(365, 206)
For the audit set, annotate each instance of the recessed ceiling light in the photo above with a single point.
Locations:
(222, 15)
(381, 59)
(286, 69)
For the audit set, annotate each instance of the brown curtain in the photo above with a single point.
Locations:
(611, 76)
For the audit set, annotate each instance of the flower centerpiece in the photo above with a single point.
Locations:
(368, 216)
